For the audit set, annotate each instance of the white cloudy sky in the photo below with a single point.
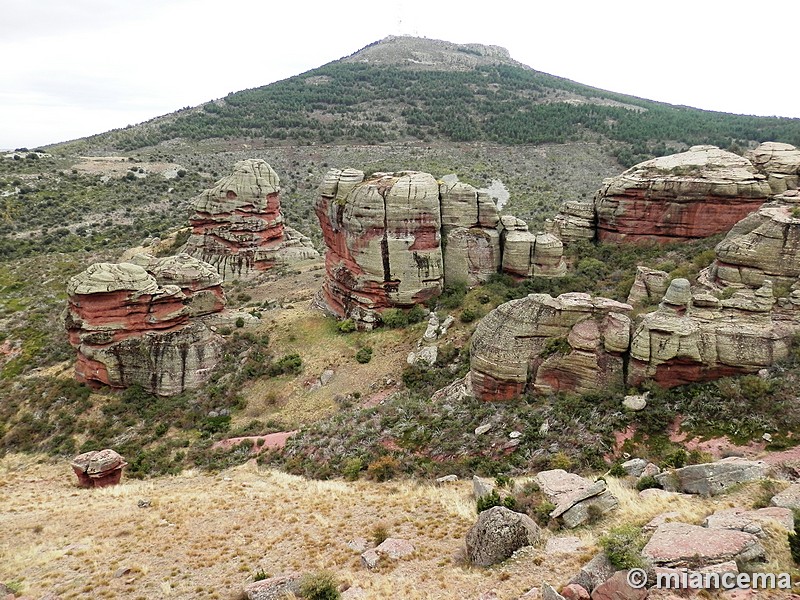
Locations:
(70, 68)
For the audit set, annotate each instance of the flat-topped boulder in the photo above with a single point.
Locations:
(130, 327)
(238, 226)
(690, 195)
(692, 546)
(574, 342)
(710, 479)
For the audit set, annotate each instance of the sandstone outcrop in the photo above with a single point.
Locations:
(395, 239)
(684, 545)
(649, 286)
(780, 163)
(700, 338)
(764, 245)
(576, 498)
(98, 468)
(570, 343)
(710, 479)
(238, 226)
(690, 195)
(133, 324)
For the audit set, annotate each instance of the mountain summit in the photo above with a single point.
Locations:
(424, 53)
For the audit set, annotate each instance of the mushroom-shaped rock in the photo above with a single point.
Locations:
(98, 468)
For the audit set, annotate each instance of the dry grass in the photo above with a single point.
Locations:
(206, 535)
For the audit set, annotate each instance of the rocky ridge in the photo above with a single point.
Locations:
(238, 225)
(140, 323)
(396, 239)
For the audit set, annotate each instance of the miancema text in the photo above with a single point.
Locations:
(725, 581)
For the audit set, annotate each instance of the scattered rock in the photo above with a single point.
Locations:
(358, 544)
(618, 588)
(481, 487)
(634, 467)
(143, 503)
(481, 429)
(691, 546)
(636, 402)
(577, 499)
(658, 520)
(709, 479)
(274, 588)
(573, 591)
(326, 377)
(550, 593)
(390, 548)
(595, 572)
(498, 533)
(788, 498)
(750, 521)
(515, 435)
(354, 593)
(446, 479)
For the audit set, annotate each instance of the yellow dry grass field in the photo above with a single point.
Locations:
(206, 535)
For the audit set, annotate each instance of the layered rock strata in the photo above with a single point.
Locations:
(570, 343)
(238, 226)
(690, 195)
(98, 468)
(395, 239)
(134, 324)
(579, 343)
(763, 245)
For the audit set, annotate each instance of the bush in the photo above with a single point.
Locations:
(291, 364)
(468, 315)
(647, 482)
(321, 585)
(616, 470)
(394, 318)
(346, 326)
(364, 355)
(379, 534)
(453, 295)
(352, 468)
(487, 501)
(558, 345)
(383, 469)
(239, 322)
(623, 547)
(417, 314)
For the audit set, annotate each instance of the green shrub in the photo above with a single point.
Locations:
(558, 345)
(677, 459)
(364, 355)
(616, 470)
(623, 547)
(394, 318)
(560, 460)
(352, 468)
(260, 575)
(379, 534)
(346, 326)
(239, 322)
(453, 295)
(468, 315)
(487, 501)
(321, 585)
(417, 314)
(647, 482)
(291, 364)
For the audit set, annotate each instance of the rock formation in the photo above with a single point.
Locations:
(690, 195)
(580, 343)
(394, 239)
(763, 245)
(238, 226)
(576, 498)
(700, 338)
(498, 533)
(138, 323)
(98, 468)
(780, 163)
(570, 343)
(648, 287)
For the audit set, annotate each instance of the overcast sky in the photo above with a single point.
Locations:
(71, 68)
